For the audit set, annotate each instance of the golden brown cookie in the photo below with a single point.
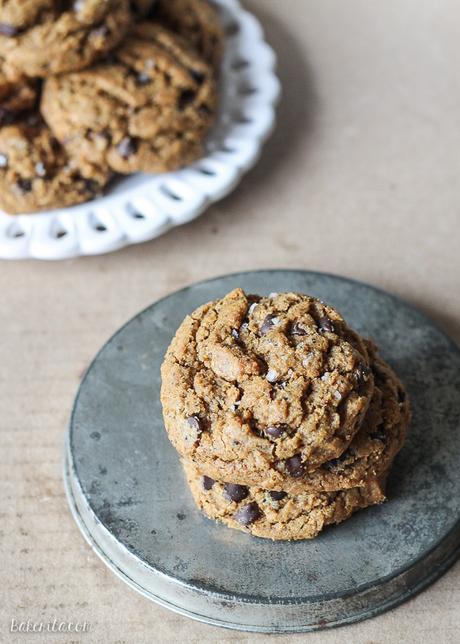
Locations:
(44, 37)
(36, 174)
(148, 109)
(262, 391)
(278, 515)
(198, 22)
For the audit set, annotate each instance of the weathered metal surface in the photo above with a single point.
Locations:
(127, 491)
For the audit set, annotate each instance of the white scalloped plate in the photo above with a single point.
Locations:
(141, 207)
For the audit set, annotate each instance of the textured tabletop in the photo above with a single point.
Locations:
(360, 179)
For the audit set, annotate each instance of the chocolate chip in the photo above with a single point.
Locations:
(277, 496)
(362, 373)
(270, 321)
(40, 169)
(235, 334)
(8, 30)
(335, 463)
(379, 433)
(127, 147)
(6, 116)
(24, 185)
(207, 482)
(325, 325)
(3, 161)
(197, 76)
(235, 492)
(33, 120)
(276, 431)
(143, 79)
(248, 514)
(91, 185)
(204, 109)
(186, 97)
(294, 466)
(298, 329)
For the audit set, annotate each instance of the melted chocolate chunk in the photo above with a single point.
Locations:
(276, 431)
(268, 323)
(295, 467)
(186, 97)
(24, 185)
(197, 76)
(325, 325)
(277, 496)
(235, 492)
(207, 482)
(248, 514)
(127, 147)
(362, 373)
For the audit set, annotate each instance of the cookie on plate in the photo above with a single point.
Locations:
(147, 109)
(36, 173)
(44, 37)
(278, 515)
(263, 390)
(198, 22)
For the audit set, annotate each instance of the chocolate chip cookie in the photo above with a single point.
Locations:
(36, 173)
(263, 390)
(44, 37)
(147, 109)
(198, 22)
(278, 515)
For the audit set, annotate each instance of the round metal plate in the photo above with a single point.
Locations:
(128, 495)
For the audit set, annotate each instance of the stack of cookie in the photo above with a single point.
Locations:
(285, 418)
(91, 88)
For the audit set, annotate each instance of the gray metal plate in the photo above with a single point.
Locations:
(128, 494)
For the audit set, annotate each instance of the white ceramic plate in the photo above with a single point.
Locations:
(141, 207)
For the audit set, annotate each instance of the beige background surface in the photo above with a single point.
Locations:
(361, 178)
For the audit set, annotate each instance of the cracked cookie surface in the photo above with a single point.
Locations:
(148, 109)
(44, 37)
(262, 391)
(36, 174)
(17, 95)
(198, 22)
(278, 515)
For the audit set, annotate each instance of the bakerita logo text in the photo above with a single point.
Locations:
(52, 626)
